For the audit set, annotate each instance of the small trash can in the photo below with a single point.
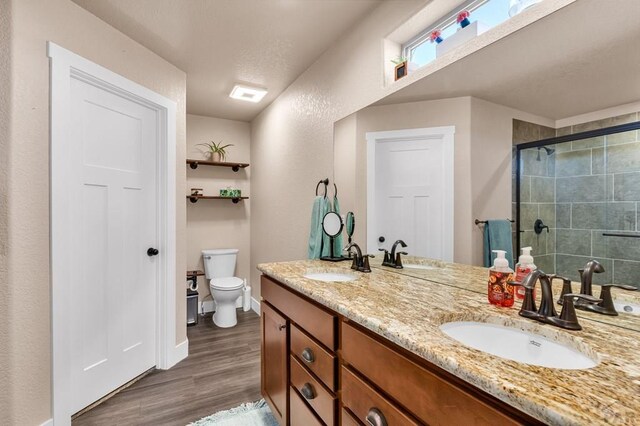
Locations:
(192, 307)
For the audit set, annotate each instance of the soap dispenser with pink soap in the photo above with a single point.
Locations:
(498, 291)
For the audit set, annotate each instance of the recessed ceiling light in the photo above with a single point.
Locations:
(246, 93)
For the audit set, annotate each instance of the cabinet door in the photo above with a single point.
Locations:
(274, 361)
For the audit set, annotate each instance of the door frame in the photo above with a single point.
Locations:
(444, 133)
(65, 65)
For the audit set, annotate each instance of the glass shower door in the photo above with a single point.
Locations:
(619, 242)
(580, 200)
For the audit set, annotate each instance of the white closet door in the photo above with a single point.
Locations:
(112, 177)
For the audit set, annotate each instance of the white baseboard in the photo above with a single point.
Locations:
(255, 306)
(180, 352)
(48, 423)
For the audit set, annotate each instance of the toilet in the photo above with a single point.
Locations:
(219, 268)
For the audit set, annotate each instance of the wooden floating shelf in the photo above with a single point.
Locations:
(194, 199)
(234, 166)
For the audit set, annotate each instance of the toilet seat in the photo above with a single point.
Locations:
(226, 283)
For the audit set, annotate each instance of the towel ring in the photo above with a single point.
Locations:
(326, 182)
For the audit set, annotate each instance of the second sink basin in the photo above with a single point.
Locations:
(417, 266)
(330, 276)
(517, 345)
(627, 307)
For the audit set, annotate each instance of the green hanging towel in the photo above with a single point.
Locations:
(497, 236)
(337, 241)
(316, 234)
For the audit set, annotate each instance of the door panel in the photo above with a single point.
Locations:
(112, 175)
(274, 361)
(409, 194)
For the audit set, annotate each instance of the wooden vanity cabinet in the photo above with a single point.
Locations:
(307, 380)
(310, 365)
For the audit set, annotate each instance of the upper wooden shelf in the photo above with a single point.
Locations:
(234, 166)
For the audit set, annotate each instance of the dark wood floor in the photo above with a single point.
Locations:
(221, 371)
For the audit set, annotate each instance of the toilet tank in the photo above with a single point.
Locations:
(219, 263)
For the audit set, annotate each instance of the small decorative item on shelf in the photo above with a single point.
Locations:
(230, 192)
(463, 18)
(196, 191)
(217, 151)
(402, 67)
(435, 36)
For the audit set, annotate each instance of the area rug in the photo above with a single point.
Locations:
(247, 414)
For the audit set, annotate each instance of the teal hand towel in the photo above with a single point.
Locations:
(326, 240)
(497, 236)
(337, 241)
(315, 232)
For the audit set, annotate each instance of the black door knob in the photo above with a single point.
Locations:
(152, 251)
(381, 239)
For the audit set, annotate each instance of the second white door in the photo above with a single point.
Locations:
(411, 191)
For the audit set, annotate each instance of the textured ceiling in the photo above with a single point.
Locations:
(582, 58)
(218, 43)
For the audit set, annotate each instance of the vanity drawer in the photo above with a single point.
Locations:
(314, 357)
(322, 401)
(431, 398)
(364, 401)
(316, 321)
(300, 414)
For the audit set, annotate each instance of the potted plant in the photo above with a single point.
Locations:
(463, 18)
(217, 151)
(436, 36)
(401, 69)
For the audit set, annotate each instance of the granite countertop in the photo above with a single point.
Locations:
(408, 311)
(474, 278)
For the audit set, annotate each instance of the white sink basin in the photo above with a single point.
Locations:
(627, 307)
(517, 345)
(417, 266)
(330, 276)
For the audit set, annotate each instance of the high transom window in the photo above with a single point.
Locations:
(420, 50)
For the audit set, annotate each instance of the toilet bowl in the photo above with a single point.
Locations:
(219, 268)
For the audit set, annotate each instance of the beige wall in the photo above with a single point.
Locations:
(491, 168)
(6, 327)
(26, 344)
(218, 223)
(292, 139)
(446, 112)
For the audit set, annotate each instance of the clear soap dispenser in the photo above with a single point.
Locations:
(498, 291)
(524, 267)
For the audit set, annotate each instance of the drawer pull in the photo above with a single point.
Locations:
(307, 355)
(282, 327)
(375, 418)
(307, 391)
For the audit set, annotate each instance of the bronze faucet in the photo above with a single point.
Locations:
(393, 259)
(360, 261)
(547, 313)
(605, 306)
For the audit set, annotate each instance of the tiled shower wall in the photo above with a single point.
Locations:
(585, 188)
(598, 190)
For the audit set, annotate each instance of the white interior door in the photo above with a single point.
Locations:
(411, 191)
(111, 158)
